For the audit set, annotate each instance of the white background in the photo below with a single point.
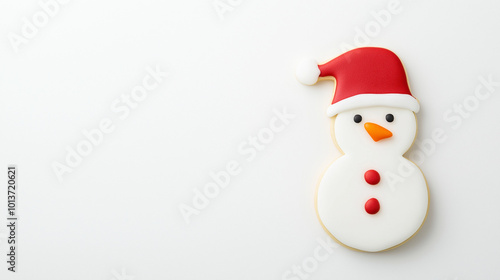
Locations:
(116, 215)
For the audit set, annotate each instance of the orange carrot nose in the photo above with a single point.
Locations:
(377, 132)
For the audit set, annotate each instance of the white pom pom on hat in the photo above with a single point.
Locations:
(307, 72)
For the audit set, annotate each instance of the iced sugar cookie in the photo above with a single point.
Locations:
(372, 198)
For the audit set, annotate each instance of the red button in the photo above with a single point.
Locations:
(372, 206)
(372, 177)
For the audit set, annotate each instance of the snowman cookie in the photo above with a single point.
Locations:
(372, 198)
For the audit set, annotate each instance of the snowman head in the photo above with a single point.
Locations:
(377, 130)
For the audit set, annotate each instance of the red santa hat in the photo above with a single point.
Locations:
(364, 77)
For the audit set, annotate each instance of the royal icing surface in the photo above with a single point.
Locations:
(373, 198)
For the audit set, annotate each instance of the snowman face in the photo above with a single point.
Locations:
(376, 130)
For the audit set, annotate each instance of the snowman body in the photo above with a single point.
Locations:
(373, 169)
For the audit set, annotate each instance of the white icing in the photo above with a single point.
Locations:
(405, 101)
(307, 72)
(402, 190)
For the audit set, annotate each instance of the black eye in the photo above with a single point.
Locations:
(389, 117)
(357, 118)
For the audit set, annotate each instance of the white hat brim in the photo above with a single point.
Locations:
(397, 100)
